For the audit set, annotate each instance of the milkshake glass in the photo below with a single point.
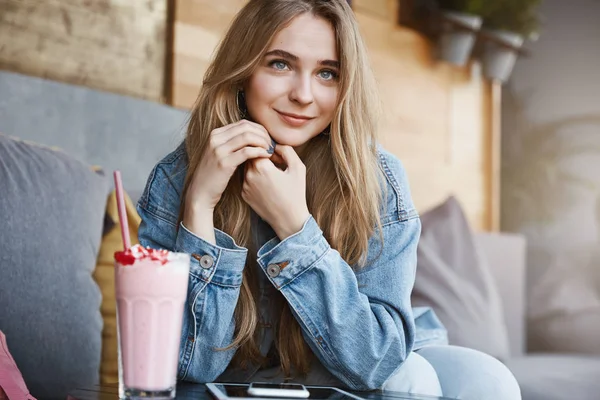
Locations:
(151, 288)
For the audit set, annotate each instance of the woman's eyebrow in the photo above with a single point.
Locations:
(292, 57)
(282, 53)
(330, 63)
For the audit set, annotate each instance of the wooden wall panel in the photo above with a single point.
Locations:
(440, 120)
(198, 27)
(383, 9)
(112, 45)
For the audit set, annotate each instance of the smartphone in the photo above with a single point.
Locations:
(285, 390)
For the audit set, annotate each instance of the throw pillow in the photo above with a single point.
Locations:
(105, 277)
(455, 281)
(563, 287)
(51, 216)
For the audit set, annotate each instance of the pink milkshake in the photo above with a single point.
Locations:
(151, 288)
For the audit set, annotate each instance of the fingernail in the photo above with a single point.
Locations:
(272, 148)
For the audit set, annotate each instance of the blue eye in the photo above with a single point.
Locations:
(279, 65)
(328, 75)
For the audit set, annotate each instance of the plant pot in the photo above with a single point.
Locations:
(498, 60)
(455, 43)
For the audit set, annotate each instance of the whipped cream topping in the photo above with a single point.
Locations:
(138, 252)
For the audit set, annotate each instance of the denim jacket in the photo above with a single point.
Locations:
(358, 322)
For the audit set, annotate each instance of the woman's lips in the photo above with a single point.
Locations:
(293, 120)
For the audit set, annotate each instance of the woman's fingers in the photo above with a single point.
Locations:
(289, 156)
(233, 130)
(242, 140)
(244, 154)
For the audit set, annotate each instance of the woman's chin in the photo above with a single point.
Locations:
(293, 137)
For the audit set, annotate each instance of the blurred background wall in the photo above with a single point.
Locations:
(113, 45)
(551, 174)
(441, 120)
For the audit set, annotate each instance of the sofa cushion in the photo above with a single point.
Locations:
(505, 253)
(51, 216)
(563, 287)
(557, 376)
(453, 279)
(569, 331)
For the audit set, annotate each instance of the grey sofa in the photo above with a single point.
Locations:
(541, 376)
(131, 135)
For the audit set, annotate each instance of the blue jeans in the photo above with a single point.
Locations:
(449, 371)
(455, 372)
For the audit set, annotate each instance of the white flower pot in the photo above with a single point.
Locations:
(455, 44)
(498, 60)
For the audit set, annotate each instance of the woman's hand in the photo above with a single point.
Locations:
(228, 147)
(278, 196)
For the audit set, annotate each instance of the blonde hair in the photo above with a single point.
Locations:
(343, 175)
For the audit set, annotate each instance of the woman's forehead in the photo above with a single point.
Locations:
(307, 37)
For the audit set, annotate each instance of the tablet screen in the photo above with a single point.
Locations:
(241, 391)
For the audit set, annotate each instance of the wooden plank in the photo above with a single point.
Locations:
(113, 45)
(212, 15)
(493, 155)
(435, 119)
(184, 95)
(169, 52)
(199, 25)
(384, 9)
(189, 70)
(194, 41)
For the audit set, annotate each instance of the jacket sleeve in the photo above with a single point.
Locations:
(360, 325)
(214, 281)
(358, 322)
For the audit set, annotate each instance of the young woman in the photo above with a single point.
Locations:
(301, 229)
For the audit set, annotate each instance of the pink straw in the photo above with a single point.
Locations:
(121, 208)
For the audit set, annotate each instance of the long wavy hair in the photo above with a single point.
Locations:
(343, 175)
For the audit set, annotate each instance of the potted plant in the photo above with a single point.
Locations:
(507, 24)
(459, 21)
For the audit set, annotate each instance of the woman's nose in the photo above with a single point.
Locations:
(302, 90)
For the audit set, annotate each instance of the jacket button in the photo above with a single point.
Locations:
(206, 261)
(273, 270)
